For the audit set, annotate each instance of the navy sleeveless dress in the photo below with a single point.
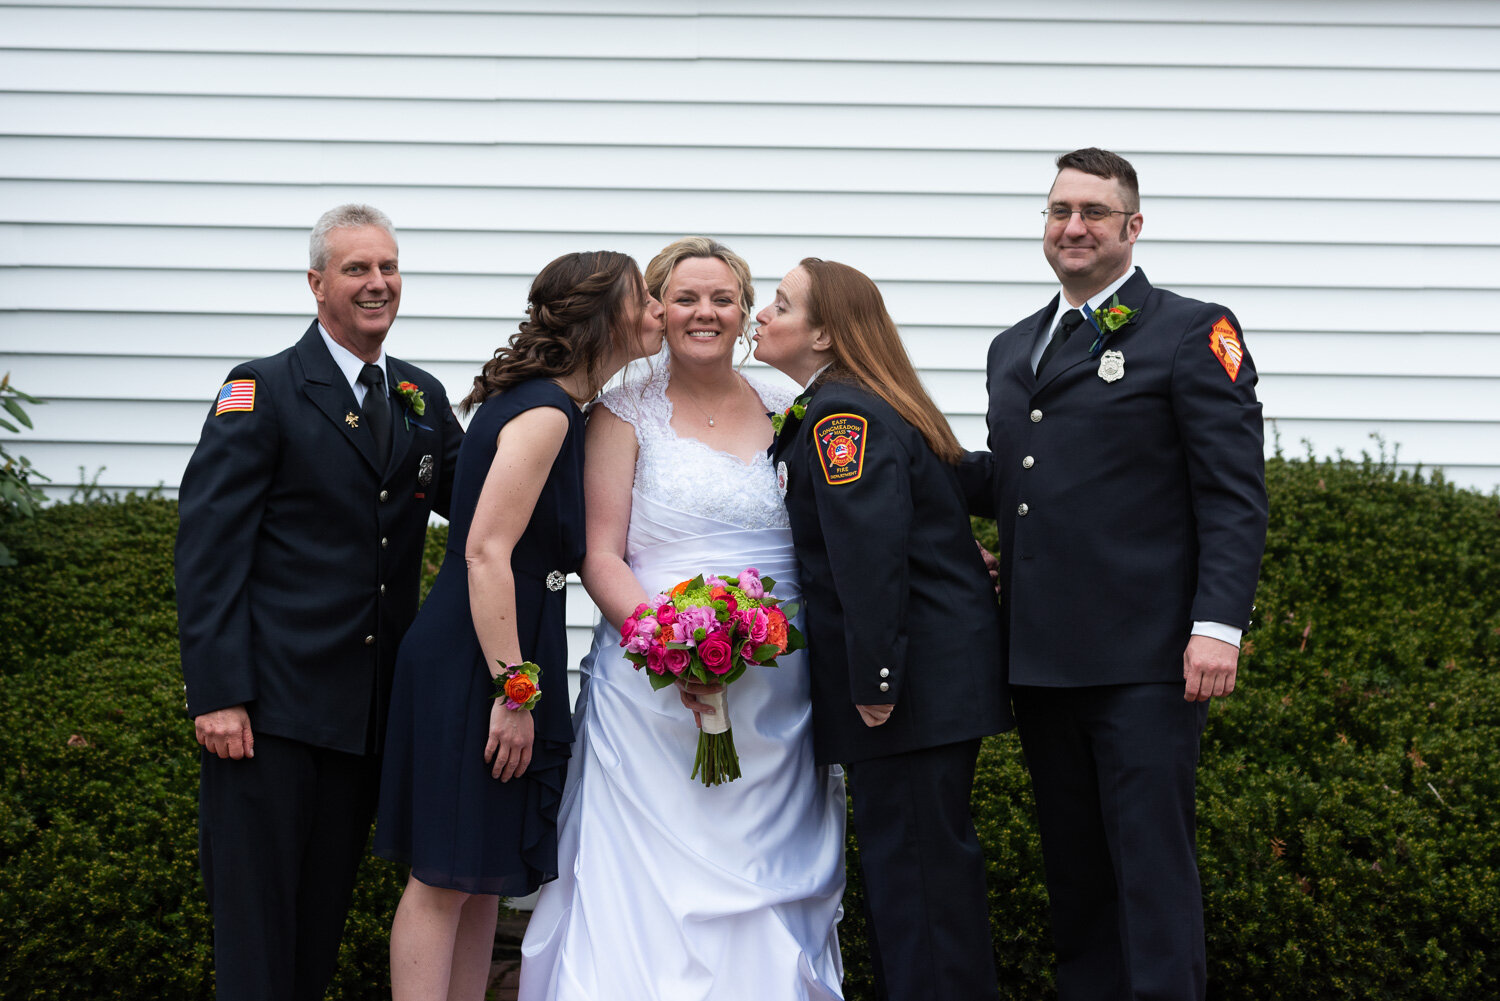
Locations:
(441, 812)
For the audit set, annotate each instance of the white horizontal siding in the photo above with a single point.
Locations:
(1434, 179)
(730, 31)
(1326, 169)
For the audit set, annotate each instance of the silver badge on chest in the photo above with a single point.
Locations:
(424, 470)
(781, 478)
(1112, 366)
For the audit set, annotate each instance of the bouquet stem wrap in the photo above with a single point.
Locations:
(717, 760)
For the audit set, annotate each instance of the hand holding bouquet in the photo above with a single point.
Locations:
(710, 629)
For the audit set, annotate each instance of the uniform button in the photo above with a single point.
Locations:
(885, 672)
(384, 543)
(1036, 417)
(1027, 462)
(369, 641)
(382, 590)
(1021, 509)
(384, 494)
(884, 687)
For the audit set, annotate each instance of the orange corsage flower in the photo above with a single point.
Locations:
(517, 685)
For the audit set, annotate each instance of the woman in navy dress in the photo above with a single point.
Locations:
(470, 788)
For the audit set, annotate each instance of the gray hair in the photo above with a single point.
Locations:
(350, 215)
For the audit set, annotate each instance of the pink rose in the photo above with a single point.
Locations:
(749, 582)
(676, 660)
(754, 622)
(666, 614)
(654, 659)
(641, 609)
(716, 653)
(627, 630)
(747, 652)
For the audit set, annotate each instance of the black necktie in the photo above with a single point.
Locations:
(377, 409)
(1065, 327)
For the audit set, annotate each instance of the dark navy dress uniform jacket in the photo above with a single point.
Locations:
(298, 556)
(1127, 509)
(891, 582)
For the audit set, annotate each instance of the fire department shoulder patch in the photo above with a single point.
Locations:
(1226, 345)
(841, 446)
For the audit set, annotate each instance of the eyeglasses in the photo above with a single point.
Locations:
(1091, 213)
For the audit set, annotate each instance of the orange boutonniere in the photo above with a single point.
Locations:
(1108, 319)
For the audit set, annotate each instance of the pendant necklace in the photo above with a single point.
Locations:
(706, 415)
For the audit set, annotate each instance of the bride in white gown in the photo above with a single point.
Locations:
(670, 890)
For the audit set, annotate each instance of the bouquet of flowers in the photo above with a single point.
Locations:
(710, 629)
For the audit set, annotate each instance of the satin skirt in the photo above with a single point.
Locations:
(668, 889)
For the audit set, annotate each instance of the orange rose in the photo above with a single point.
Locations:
(776, 629)
(677, 591)
(519, 688)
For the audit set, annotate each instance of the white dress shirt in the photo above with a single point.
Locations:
(352, 364)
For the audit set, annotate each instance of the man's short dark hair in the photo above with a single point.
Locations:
(1110, 166)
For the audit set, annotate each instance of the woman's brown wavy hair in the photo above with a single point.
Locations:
(867, 349)
(580, 312)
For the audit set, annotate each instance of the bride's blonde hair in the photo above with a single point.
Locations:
(659, 271)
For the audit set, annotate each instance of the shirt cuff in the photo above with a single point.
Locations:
(1218, 631)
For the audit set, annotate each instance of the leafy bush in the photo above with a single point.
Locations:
(100, 894)
(1349, 792)
(19, 497)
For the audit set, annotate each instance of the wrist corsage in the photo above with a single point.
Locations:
(517, 685)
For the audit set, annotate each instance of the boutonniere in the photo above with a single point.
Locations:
(797, 410)
(1109, 319)
(416, 403)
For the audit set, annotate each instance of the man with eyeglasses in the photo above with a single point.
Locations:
(1126, 471)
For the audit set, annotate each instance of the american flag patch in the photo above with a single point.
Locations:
(1226, 346)
(238, 394)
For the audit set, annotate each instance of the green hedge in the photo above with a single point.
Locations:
(1348, 792)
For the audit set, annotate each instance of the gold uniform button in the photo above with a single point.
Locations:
(884, 687)
(1027, 462)
(1021, 509)
(1036, 417)
(369, 641)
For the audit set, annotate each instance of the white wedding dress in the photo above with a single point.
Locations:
(670, 891)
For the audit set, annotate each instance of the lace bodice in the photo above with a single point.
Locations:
(685, 473)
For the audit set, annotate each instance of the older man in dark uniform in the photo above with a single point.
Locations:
(303, 514)
(1126, 472)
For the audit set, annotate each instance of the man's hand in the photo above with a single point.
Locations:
(1208, 667)
(991, 564)
(226, 732)
(875, 715)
